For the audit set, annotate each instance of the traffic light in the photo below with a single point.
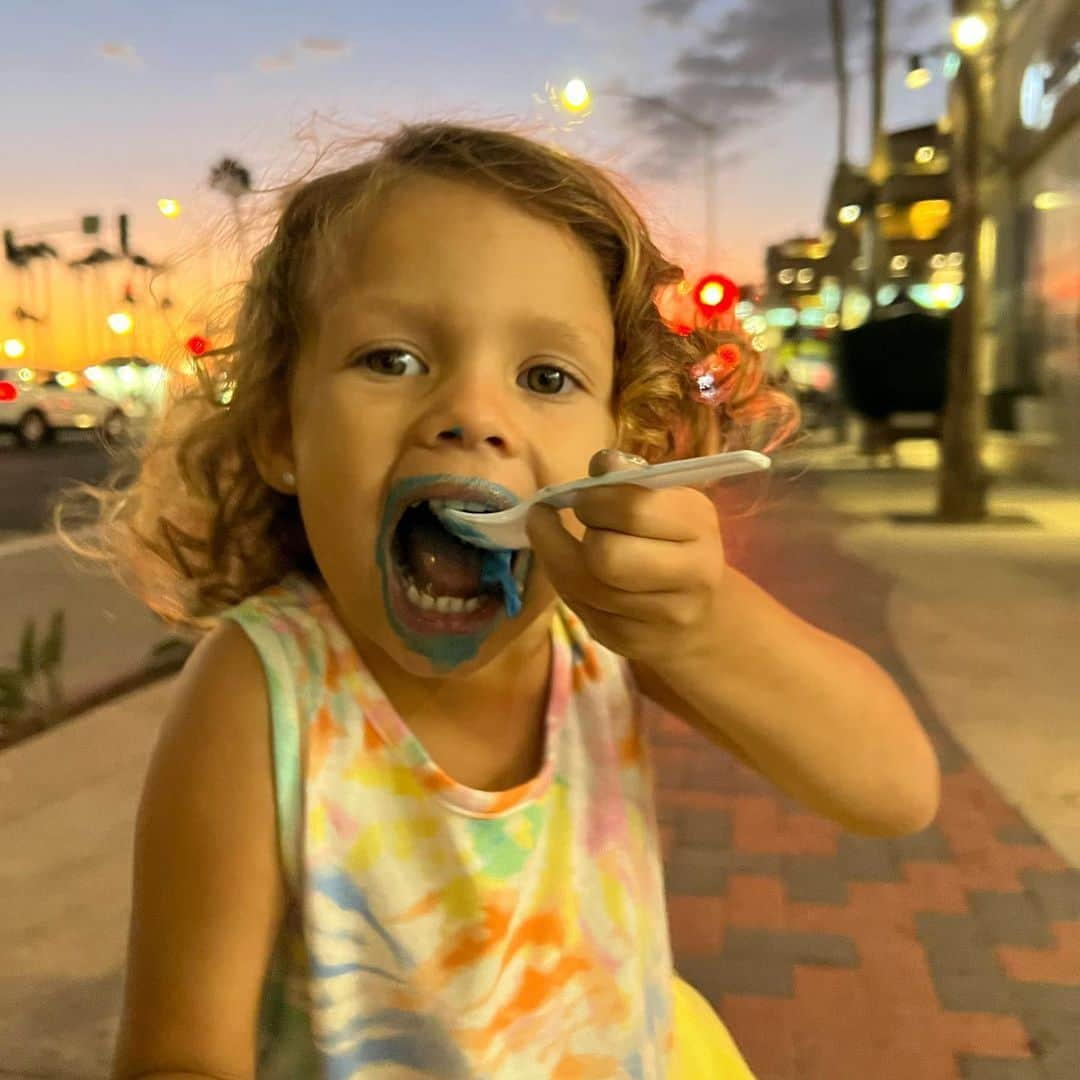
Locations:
(124, 233)
(715, 294)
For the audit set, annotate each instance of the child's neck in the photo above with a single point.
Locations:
(486, 729)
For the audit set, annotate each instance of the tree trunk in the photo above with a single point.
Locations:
(961, 480)
(880, 165)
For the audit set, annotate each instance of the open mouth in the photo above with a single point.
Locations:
(440, 583)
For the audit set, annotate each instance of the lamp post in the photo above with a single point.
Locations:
(576, 97)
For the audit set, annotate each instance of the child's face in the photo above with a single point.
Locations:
(446, 350)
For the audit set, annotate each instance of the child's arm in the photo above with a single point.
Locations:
(208, 895)
(810, 712)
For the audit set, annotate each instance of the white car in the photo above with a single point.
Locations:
(34, 405)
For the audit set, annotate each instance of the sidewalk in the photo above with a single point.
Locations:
(951, 954)
(109, 634)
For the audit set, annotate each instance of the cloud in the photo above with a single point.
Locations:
(561, 12)
(672, 11)
(120, 53)
(283, 61)
(744, 60)
(324, 46)
(307, 48)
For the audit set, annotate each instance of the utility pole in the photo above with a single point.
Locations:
(880, 164)
(962, 482)
(836, 11)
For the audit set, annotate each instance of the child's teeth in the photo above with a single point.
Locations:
(447, 605)
(458, 504)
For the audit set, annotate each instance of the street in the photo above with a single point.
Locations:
(29, 479)
(109, 634)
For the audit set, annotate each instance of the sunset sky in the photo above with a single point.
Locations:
(112, 105)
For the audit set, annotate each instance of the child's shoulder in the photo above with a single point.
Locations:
(206, 817)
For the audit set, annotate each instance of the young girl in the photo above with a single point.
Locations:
(400, 819)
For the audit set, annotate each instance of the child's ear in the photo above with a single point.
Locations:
(270, 443)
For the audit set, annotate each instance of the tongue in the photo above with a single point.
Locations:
(440, 563)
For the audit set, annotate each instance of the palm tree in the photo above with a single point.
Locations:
(95, 261)
(41, 254)
(234, 181)
(23, 257)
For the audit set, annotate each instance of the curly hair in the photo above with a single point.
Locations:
(198, 529)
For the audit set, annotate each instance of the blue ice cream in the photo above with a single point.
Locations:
(495, 569)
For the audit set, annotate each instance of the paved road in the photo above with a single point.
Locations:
(109, 633)
(29, 479)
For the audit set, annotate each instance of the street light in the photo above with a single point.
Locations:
(120, 322)
(577, 97)
(970, 32)
(169, 208)
(14, 348)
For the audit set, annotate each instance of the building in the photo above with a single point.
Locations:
(913, 212)
(1032, 233)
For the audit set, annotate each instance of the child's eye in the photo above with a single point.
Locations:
(554, 380)
(384, 361)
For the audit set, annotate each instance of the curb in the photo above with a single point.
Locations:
(100, 694)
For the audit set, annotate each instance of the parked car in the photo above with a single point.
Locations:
(34, 405)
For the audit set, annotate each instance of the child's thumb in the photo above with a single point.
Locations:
(606, 461)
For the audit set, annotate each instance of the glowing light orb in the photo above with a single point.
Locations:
(716, 294)
(575, 95)
(970, 32)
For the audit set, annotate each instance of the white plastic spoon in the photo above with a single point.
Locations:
(505, 529)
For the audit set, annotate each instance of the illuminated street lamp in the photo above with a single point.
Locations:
(576, 97)
(14, 348)
(169, 208)
(120, 322)
(970, 32)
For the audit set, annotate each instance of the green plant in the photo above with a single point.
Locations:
(30, 692)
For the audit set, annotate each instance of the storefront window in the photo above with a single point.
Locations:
(1050, 232)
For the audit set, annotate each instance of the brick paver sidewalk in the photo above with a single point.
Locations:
(954, 953)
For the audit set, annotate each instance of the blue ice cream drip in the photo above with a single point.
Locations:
(495, 569)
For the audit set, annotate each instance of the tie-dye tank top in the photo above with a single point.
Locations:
(435, 930)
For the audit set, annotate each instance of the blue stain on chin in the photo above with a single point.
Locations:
(445, 651)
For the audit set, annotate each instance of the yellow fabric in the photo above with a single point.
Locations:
(703, 1048)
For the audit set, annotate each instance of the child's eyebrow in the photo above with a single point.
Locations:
(528, 323)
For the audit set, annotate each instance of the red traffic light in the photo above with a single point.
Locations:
(197, 345)
(715, 294)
